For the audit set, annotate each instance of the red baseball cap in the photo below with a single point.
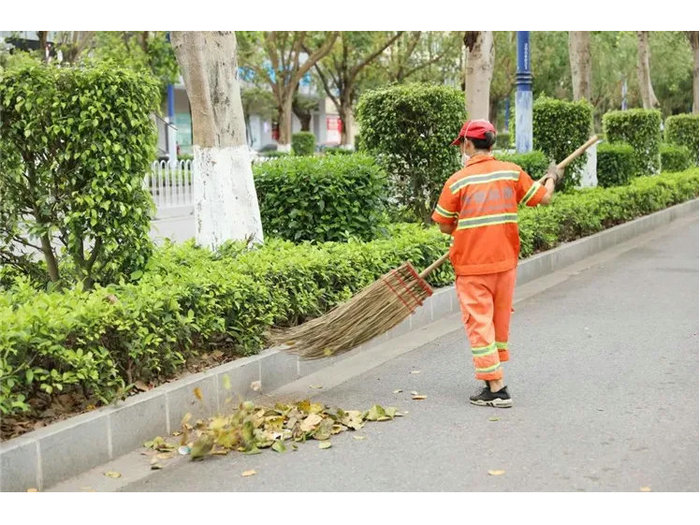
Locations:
(474, 129)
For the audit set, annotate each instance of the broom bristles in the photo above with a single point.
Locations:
(371, 312)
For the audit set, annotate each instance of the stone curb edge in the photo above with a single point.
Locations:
(65, 449)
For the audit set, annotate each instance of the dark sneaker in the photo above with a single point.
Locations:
(486, 398)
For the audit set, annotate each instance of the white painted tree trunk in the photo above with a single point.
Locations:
(580, 61)
(646, 91)
(478, 72)
(225, 201)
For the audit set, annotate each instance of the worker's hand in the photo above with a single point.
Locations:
(553, 172)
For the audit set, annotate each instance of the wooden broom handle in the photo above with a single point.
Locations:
(434, 266)
(563, 164)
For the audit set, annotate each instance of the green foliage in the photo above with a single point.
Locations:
(76, 143)
(274, 154)
(558, 128)
(503, 140)
(641, 128)
(682, 130)
(146, 52)
(190, 300)
(674, 158)
(615, 164)
(534, 163)
(409, 129)
(581, 213)
(303, 143)
(329, 198)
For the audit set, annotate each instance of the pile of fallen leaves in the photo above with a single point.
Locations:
(251, 428)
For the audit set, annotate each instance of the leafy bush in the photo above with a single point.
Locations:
(329, 198)
(273, 153)
(615, 164)
(641, 128)
(559, 127)
(76, 144)
(191, 299)
(587, 211)
(303, 143)
(337, 150)
(534, 163)
(682, 130)
(674, 158)
(409, 128)
(503, 140)
(188, 299)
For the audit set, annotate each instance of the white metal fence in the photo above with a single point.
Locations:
(170, 183)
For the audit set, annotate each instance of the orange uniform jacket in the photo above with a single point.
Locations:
(482, 200)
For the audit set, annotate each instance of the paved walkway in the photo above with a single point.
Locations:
(603, 374)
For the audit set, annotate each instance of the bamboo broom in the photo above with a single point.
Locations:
(373, 311)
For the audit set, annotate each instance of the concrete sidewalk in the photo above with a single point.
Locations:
(604, 377)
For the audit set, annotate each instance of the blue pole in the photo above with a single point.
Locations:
(523, 95)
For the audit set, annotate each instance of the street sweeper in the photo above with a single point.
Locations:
(478, 206)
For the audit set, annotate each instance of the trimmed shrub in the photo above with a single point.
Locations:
(328, 198)
(641, 128)
(503, 140)
(337, 150)
(409, 128)
(558, 128)
(303, 143)
(191, 299)
(615, 164)
(534, 163)
(76, 143)
(674, 158)
(682, 130)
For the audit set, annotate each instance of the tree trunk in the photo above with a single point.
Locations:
(580, 61)
(225, 201)
(43, 41)
(646, 90)
(693, 37)
(347, 118)
(303, 116)
(478, 72)
(284, 143)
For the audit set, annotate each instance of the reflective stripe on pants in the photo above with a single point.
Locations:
(486, 302)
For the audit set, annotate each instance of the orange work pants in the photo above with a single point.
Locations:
(486, 302)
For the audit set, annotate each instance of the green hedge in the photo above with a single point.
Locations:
(615, 164)
(190, 300)
(409, 128)
(641, 128)
(682, 130)
(303, 143)
(503, 140)
(327, 198)
(674, 157)
(558, 128)
(534, 163)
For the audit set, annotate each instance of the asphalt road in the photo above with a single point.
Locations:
(604, 380)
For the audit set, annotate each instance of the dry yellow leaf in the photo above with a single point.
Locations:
(645, 489)
(496, 472)
(198, 393)
(359, 437)
(317, 387)
(398, 391)
(247, 473)
(113, 474)
(165, 455)
(418, 397)
(325, 444)
(415, 371)
(32, 490)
